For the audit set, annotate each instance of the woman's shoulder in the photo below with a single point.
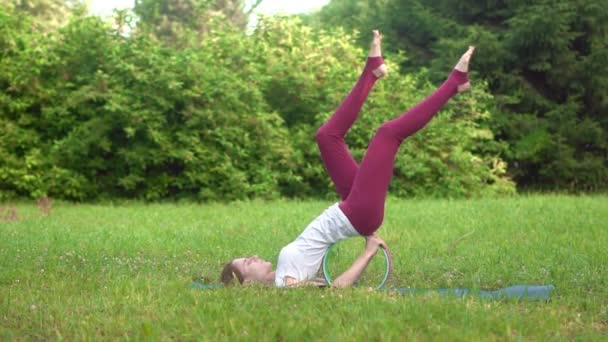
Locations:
(288, 252)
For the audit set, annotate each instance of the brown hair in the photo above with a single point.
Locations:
(229, 273)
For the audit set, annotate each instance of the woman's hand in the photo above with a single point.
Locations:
(372, 243)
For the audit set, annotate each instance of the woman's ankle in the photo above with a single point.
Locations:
(376, 66)
(459, 77)
(460, 72)
(380, 71)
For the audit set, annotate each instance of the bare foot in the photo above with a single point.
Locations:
(463, 66)
(463, 63)
(376, 51)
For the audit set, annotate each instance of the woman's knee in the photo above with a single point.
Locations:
(323, 136)
(386, 131)
(320, 135)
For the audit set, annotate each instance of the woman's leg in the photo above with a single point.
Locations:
(364, 205)
(338, 161)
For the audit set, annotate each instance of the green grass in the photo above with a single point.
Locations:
(106, 272)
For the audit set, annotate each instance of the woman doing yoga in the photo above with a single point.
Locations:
(362, 188)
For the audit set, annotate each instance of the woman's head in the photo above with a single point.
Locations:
(247, 270)
(230, 274)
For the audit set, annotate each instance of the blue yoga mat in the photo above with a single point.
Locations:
(528, 292)
(524, 292)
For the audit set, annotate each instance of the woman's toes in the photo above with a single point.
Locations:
(377, 35)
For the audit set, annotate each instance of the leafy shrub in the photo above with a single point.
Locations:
(311, 71)
(86, 113)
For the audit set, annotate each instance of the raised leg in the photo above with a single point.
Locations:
(364, 205)
(340, 164)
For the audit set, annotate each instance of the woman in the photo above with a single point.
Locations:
(362, 188)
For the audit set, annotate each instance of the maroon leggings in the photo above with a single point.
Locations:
(363, 188)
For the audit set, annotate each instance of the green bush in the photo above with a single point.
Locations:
(87, 113)
(544, 62)
(311, 71)
(133, 118)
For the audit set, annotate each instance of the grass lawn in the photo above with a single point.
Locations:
(124, 271)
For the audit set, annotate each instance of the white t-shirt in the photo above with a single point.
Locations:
(302, 258)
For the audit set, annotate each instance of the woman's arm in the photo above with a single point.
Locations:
(292, 282)
(348, 278)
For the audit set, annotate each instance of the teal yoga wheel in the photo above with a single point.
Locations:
(375, 276)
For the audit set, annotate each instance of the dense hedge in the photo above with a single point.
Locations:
(545, 62)
(87, 113)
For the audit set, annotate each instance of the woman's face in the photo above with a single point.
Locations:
(253, 268)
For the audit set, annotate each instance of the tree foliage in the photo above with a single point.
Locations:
(101, 115)
(49, 14)
(311, 71)
(170, 20)
(87, 113)
(543, 61)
